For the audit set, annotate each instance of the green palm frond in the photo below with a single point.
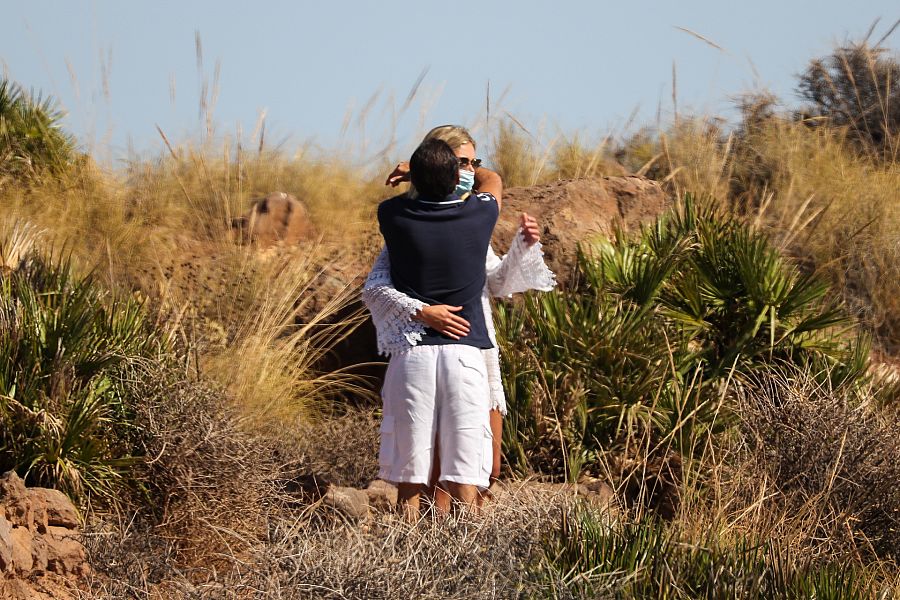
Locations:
(32, 140)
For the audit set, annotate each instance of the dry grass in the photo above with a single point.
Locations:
(311, 554)
(254, 322)
(827, 458)
(841, 211)
(341, 450)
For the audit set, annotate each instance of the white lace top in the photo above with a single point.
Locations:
(522, 269)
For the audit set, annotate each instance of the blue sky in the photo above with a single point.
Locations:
(122, 68)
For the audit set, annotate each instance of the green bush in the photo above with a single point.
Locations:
(31, 139)
(647, 342)
(857, 86)
(67, 348)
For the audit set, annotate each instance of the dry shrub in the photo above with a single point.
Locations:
(203, 508)
(341, 450)
(207, 481)
(824, 460)
(836, 209)
(259, 323)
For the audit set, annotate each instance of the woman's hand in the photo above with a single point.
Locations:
(442, 319)
(530, 229)
(398, 175)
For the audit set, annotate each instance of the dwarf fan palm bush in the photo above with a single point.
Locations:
(65, 351)
(644, 346)
(31, 139)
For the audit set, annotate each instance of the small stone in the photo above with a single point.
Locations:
(350, 502)
(382, 495)
(597, 492)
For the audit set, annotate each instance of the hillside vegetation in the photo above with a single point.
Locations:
(730, 370)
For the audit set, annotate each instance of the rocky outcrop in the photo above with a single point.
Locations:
(278, 217)
(39, 545)
(573, 211)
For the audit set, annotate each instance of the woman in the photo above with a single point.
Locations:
(400, 320)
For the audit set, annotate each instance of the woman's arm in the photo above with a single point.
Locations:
(399, 318)
(490, 182)
(392, 311)
(523, 268)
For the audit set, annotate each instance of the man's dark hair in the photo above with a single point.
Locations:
(434, 169)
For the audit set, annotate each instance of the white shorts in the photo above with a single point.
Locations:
(436, 393)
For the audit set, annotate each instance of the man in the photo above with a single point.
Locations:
(438, 389)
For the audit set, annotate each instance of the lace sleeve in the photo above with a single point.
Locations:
(392, 311)
(522, 269)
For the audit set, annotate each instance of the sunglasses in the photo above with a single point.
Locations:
(465, 162)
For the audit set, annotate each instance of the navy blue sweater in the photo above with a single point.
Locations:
(437, 251)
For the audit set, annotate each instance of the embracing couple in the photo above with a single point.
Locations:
(429, 295)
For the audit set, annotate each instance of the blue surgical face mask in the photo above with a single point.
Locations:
(466, 181)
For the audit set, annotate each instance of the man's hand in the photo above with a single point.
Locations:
(442, 319)
(398, 175)
(530, 229)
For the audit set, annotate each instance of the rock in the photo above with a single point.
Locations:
(59, 509)
(597, 492)
(382, 495)
(16, 589)
(279, 217)
(22, 558)
(5, 545)
(66, 556)
(15, 501)
(576, 210)
(350, 502)
(38, 555)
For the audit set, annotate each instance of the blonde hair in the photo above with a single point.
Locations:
(455, 136)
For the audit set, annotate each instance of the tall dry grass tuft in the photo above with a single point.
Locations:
(838, 210)
(690, 156)
(161, 229)
(515, 155)
(272, 342)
